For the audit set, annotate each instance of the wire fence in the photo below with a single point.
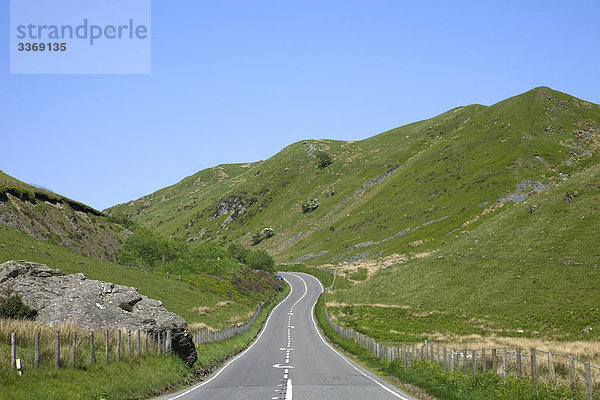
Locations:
(73, 347)
(206, 335)
(540, 367)
(27, 344)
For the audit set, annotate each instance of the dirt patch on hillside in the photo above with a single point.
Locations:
(337, 304)
(372, 266)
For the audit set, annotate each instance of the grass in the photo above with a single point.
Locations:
(182, 298)
(135, 377)
(434, 381)
(520, 276)
(448, 167)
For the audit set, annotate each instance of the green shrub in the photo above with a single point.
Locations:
(12, 306)
(238, 252)
(260, 259)
(323, 159)
(261, 235)
(310, 205)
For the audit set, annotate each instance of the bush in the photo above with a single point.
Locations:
(323, 159)
(259, 236)
(238, 252)
(260, 259)
(310, 205)
(12, 306)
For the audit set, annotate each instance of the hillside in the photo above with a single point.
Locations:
(45, 215)
(393, 196)
(529, 273)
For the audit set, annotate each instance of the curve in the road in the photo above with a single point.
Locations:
(318, 369)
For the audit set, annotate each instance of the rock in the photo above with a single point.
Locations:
(587, 330)
(569, 197)
(92, 304)
(533, 208)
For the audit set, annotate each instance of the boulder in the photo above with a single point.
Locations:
(92, 304)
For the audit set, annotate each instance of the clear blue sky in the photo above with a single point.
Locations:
(236, 81)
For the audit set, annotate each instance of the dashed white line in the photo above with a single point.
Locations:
(312, 314)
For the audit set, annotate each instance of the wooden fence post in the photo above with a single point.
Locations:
(451, 361)
(118, 345)
(550, 367)
(474, 362)
(494, 361)
(445, 360)
(106, 350)
(533, 370)
(572, 374)
(92, 349)
(74, 360)
(13, 350)
(139, 343)
(519, 364)
(504, 362)
(588, 381)
(465, 361)
(483, 361)
(36, 360)
(129, 343)
(57, 352)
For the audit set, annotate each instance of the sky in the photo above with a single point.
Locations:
(236, 81)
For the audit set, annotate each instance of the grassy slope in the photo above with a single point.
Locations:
(448, 166)
(536, 272)
(178, 297)
(47, 215)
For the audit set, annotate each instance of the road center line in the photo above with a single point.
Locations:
(312, 314)
(242, 353)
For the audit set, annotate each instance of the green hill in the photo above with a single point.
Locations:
(530, 272)
(45, 215)
(400, 192)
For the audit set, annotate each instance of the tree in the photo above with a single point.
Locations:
(310, 205)
(323, 159)
(238, 252)
(260, 259)
(12, 306)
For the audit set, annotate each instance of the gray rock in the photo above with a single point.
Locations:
(92, 304)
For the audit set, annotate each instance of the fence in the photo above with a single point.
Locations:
(72, 347)
(205, 335)
(540, 367)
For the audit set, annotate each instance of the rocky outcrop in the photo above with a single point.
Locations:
(235, 206)
(92, 304)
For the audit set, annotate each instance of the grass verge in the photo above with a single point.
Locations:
(136, 378)
(432, 379)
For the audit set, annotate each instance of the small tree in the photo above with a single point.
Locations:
(12, 306)
(310, 205)
(238, 252)
(260, 259)
(323, 159)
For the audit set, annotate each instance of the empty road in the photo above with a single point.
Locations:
(291, 360)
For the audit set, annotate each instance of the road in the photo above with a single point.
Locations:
(291, 360)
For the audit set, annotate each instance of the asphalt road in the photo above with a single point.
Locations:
(291, 360)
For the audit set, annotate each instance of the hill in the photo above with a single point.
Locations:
(45, 215)
(393, 196)
(530, 272)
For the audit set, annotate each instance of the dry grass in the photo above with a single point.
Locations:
(584, 351)
(224, 303)
(338, 304)
(25, 332)
(198, 326)
(201, 310)
(372, 266)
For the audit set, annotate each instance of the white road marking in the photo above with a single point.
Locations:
(282, 366)
(288, 392)
(242, 353)
(312, 314)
